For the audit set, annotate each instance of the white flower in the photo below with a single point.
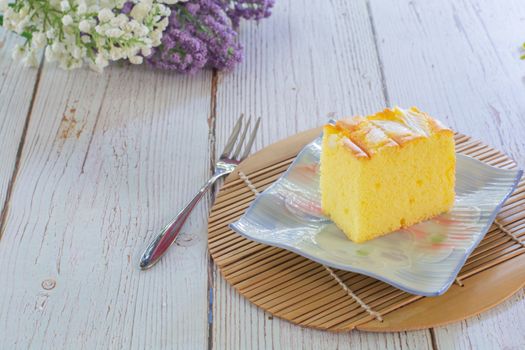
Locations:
(50, 54)
(147, 41)
(30, 59)
(87, 28)
(137, 28)
(146, 51)
(163, 24)
(105, 15)
(74, 64)
(114, 32)
(132, 25)
(116, 53)
(140, 11)
(58, 47)
(105, 3)
(101, 61)
(136, 60)
(68, 62)
(147, 2)
(21, 25)
(100, 30)
(132, 51)
(171, 2)
(84, 26)
(38, 40)
(142, 30)
(156, 35)
(164, 10)
(67, 20)
(76, 52)
(3, 5)
(18, 52)
(119, 21)
(64, 6)
(82, 8)
(50, 34)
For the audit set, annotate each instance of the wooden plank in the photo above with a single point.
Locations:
(464, 65)
(464, 68)
(310, 60)
(100, 173)
(498, 328)
(17, 87)
(305, 63)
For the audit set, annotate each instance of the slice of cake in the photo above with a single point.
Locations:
(386, 171)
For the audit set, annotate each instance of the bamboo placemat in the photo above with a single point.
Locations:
(306, 293)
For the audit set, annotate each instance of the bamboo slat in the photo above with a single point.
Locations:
(303, 292)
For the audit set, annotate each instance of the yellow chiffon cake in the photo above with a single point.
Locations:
(386, 171)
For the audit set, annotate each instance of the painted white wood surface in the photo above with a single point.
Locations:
(99, 170)
(465, 69)
(16, 92)
(104, 166)
(301, 65)
(459, 60)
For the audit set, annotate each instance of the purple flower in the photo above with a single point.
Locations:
(127, 7)
(215, 29)
(179, 51)
(201, 34)
(247, 9)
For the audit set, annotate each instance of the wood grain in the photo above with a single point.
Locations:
(17, 88)
(465, 69)
(464, 65)
(302, 65)
(99, 169)
(103, 167)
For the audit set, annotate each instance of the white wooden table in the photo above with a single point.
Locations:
(93, 165)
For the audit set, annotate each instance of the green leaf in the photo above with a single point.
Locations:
(1, 20)
(27, 35)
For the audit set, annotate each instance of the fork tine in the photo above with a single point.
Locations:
(251, 140)
(241, 139)
(233, 137)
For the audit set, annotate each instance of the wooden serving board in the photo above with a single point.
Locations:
(301, 291)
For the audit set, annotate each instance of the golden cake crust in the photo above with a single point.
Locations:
(395, 127)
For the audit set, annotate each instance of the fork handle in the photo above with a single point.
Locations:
(158, 247)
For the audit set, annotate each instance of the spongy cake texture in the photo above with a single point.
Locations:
(386, 171)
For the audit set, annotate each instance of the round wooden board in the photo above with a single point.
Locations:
(303, 292)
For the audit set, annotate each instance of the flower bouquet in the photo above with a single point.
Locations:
(179, 35)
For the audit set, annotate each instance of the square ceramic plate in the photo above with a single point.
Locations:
(423, 259)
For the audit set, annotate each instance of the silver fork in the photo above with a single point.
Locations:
(227, 162)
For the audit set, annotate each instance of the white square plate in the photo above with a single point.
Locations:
(423, 259)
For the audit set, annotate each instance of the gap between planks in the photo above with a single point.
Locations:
(16, 167)
(212, 123)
